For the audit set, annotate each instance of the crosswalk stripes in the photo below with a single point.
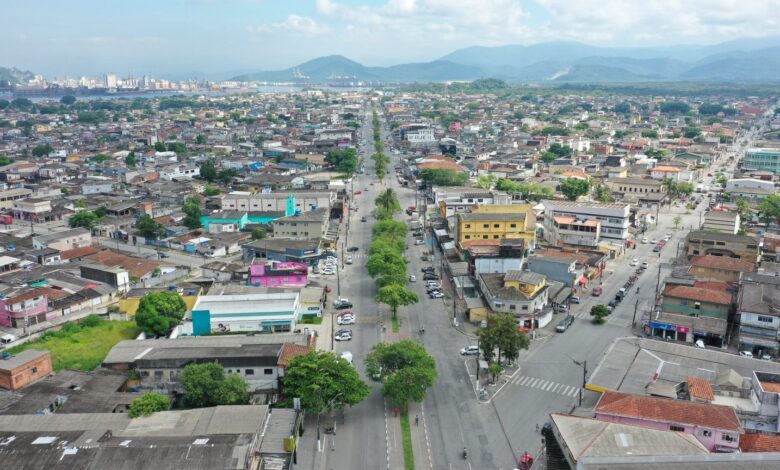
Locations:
(545, 385)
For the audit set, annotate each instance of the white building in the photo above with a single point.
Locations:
(586, 223)
(179, 172)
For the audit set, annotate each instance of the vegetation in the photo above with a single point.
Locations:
(502, 334)
(207, 385)
(258, 233)
(5, 160)
(444, 177)
(130, 160)
(148, 228)
(148, 404)
(599, 313)
(387, 204)
(573, 188)
(85, 219)
(208, 170)
(343, 160)
(211, 191)
(84, 345)
(528, 191)
(396, 295)
(192, 213)
(674, 107)
(323, 381)
(406, 440)
(405, 369)
(42, 150)
(770, 209)
(602, 193)
(556, 151)
(159, 312)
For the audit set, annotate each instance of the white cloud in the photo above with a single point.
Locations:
(298, 25)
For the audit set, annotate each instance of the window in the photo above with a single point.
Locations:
(467, 226)
(158, 374)
(485, 225)
(484, 237)
(765, 319)
(144, 373)
(495, 226)
(513, 307)
(268, 371)
(512, 225)
(695, 252)
(249, 372)
(495, 237)
(727, 438)
(676, 428)
(706, 433)
(34, 370)
(467, 237)
(697, 305)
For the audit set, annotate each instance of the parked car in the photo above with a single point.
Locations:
(346, 320)
(352, 249)
(562, 308)
(644, 240)
(597, 291)
(430, 277)
(428, 269)
(348, 260)
(635, 262)
(435, 295)
(575, 299)
(345, 313)
(341, 304)
(469, 351)
(656, 249)
(412, 278)
(564, 324)
(363, 219)
(746, 353)
(343, 336)
(645, 264)
(419, 241)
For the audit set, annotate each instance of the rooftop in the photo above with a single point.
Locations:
(21, 358)
(669, 411)
(724, 263)
(720, 236)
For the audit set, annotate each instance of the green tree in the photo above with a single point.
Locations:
(677, 219)
(226, 175)
(130, 160)
(387, 201)
(394, 296)
(650, 134)
(495, 370)
(502, 335)
(343, 160)
(602, 193)
(192, 213)
(85, 219)
(444, 177)
(200, 139)
(770, 209)
(685, 187)
(177, 147)
(622, 108)
(722, 180)
(207, 385)
(42, 150)
(486, 181)
(385, 262)
(208, 170)
(258, 233)
(148, 404)
(674, 107)
(743, 209)
(211, 191)
(100, 158)
(148, 228)
(160, 147)
(599, 313)
(68, 100)
(573, 188)
(159, 312)
(5, 160)
(323, 382)
(553, 130)
(671, 186)
(404, 367)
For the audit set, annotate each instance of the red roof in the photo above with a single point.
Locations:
(759, 443)
(698, 294)
(289, 351)
(78, 252)
(669, 411)
(723, 262)
(700, 388)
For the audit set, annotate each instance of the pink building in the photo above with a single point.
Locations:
(30, 303)
(278, 274)
(715, 426)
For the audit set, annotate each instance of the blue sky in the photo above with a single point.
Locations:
(90, 37)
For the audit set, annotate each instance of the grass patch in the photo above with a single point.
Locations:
(406, 435)
(310, 321)
(396, 324)
(82, 347)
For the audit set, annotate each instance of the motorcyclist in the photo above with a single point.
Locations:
(465, 453)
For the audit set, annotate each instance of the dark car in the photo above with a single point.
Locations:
(343, 305)
(164, 255)
(613, 303)
(428, 269)
(564, 324)
(352, 249)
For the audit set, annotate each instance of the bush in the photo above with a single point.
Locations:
(91, 321)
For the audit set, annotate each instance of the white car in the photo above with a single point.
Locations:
(346, 355)
(668, 236)
(348, 260)
(412, 278)
(653, 241)
(645, 264)
(419, 241)
(469, 351)
(346, 320)
(635, 262)
(644, 240)
(746, 353)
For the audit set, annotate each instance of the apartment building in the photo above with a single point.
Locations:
(758, 314)
(762, 159)
(586, 223)
(303, 225)
(522, 294)
(277, 201)
(498, 222)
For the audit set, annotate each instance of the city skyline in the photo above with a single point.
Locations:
(222, 38)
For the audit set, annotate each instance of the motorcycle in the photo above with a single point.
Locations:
(465, 454)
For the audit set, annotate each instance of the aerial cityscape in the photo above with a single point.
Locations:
(390, 234)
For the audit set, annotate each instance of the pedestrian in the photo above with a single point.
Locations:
(537, 427)
(416, 420)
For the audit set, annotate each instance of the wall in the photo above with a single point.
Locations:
(698, 432)
(26, 373)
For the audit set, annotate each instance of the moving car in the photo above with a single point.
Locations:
(469, 351)
(341, 304)
(644, 240)
(352, 249)
(575, 299)
(348, 260)
(635, 262)
(597, 291)
(412, 278)
(435, 295)
(564, 324)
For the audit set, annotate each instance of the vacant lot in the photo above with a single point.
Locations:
(82, 347)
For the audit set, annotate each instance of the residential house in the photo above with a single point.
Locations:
(23, 368)
(663, 172)
(646, 192)
(586, 223)
(520, 293)
(65, 240)
(716, 427)
(702, 242)
(278, 274)
(758, 314)
(691, 313)
(719, 268)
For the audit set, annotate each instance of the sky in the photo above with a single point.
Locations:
(178, 37)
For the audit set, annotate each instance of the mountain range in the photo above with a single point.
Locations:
(741, 60)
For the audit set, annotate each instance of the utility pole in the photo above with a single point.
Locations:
(584, 365)
(636, 308)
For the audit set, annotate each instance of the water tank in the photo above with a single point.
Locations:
(6, 355)
(297, 212)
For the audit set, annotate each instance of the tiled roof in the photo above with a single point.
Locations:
(700, 388)
(723, 262)
(289, 351)
(668, 411)
(759, 443)
(698, 294)
(78, 252)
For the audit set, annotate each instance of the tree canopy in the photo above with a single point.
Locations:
(573, 188)
(343, 160)
(208, 385)
(148, 228)
(192, 213)
(387, 204)
(147, 404)
(405, 368)
(502, 334)
(396, 295)
(84, 219)
(444, 176)
(208, 170)
(769, 208)
(323, 382)
(159, 312)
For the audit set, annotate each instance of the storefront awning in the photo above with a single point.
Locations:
(583, 280)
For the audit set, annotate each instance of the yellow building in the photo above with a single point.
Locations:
(497, 222)
(527, 284)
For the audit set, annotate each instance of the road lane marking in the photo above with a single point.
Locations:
(555, 389)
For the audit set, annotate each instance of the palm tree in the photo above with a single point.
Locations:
(388, 201)
(671, 186)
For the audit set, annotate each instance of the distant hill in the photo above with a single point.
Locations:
(14, 75)
(738, 60)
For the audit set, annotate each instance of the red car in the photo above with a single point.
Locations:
(357, 193)
(345, 313)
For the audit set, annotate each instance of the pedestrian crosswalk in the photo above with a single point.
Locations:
(545, 385)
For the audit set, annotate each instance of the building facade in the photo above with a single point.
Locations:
(587, 222)
(762, 159)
